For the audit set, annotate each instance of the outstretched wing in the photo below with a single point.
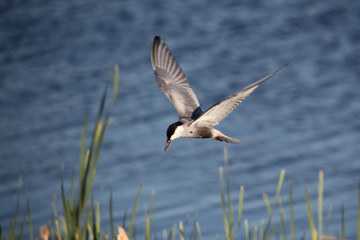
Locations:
(172, 80)
(220, 110)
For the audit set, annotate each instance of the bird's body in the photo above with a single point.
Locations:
(193, 122)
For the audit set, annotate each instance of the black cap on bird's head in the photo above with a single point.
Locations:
(170, 131)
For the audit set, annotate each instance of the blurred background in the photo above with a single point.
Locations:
(55, 59)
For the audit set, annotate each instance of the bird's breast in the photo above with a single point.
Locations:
(200, 132)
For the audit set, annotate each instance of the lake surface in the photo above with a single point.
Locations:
(55, 59)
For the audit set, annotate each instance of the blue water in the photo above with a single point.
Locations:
(55, 58)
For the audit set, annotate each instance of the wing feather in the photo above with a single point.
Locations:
(172, 81)
(220, 110)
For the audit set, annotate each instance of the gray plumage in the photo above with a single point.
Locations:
(192, 121)
(172, 80)
(220, 110)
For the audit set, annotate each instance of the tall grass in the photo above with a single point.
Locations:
(275, 207)
(82, 220)
(81, 216)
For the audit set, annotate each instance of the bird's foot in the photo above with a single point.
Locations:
(217, 138)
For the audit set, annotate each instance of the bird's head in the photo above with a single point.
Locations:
(173, 131)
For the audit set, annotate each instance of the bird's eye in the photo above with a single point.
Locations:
(190, 131)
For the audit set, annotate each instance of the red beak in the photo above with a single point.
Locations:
(167, 144)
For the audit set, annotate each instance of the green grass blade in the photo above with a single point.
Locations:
(98, 131)
(66, 210)
(310, 216)
(93, 218)
(165, 234)
(90, 232)
(267, 203)
(72, 198)
(58, 232)
(291, 206)
(83, 149)
(86, 223)
(240, 207)
(99, 139)
(95, 148)
(101, 109)
(221, 177)
(82, 185)
(229, 198)
(84, 162)
(231, 217)
(94, 163)
(112, 232)
(181, 228)
(261, 231)
(98, 220)
(267, 228)
(149, 219)
(31, 233)
(132, 220)
(66, 234)
(225, 219)
(223, 203)
(22, 228)
(280, 182)
(148, 229)
(283, 227)
(320, 203)
(246, 226)
(275, 230)
(104, 236)
(116, 82)
(197, 225)
(51, 229)
(255, 233)
(270, 211)
(53, 205)
(13, 230)
(328, 218)
(173, 232)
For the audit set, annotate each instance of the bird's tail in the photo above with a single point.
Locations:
(222, 137)
(229, 139)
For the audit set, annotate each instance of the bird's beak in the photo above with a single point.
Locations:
(167, 144)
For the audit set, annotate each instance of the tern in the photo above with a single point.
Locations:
(193, 122)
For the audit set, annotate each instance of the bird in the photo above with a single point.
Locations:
(193, 122)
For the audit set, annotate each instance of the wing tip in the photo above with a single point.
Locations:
(265, 78)
(285, 65)
(155, 45)
(157, 38)
(277, 71)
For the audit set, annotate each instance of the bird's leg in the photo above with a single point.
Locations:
(217, 138)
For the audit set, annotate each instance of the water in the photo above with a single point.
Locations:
(55, 59)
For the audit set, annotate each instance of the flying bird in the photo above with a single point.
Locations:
(193, 122)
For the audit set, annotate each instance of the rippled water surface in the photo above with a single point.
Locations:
(55, 58)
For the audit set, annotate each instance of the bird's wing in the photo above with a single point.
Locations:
(220, 110)
(172, 80)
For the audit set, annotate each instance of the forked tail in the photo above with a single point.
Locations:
(222, 137)
(228, 139)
